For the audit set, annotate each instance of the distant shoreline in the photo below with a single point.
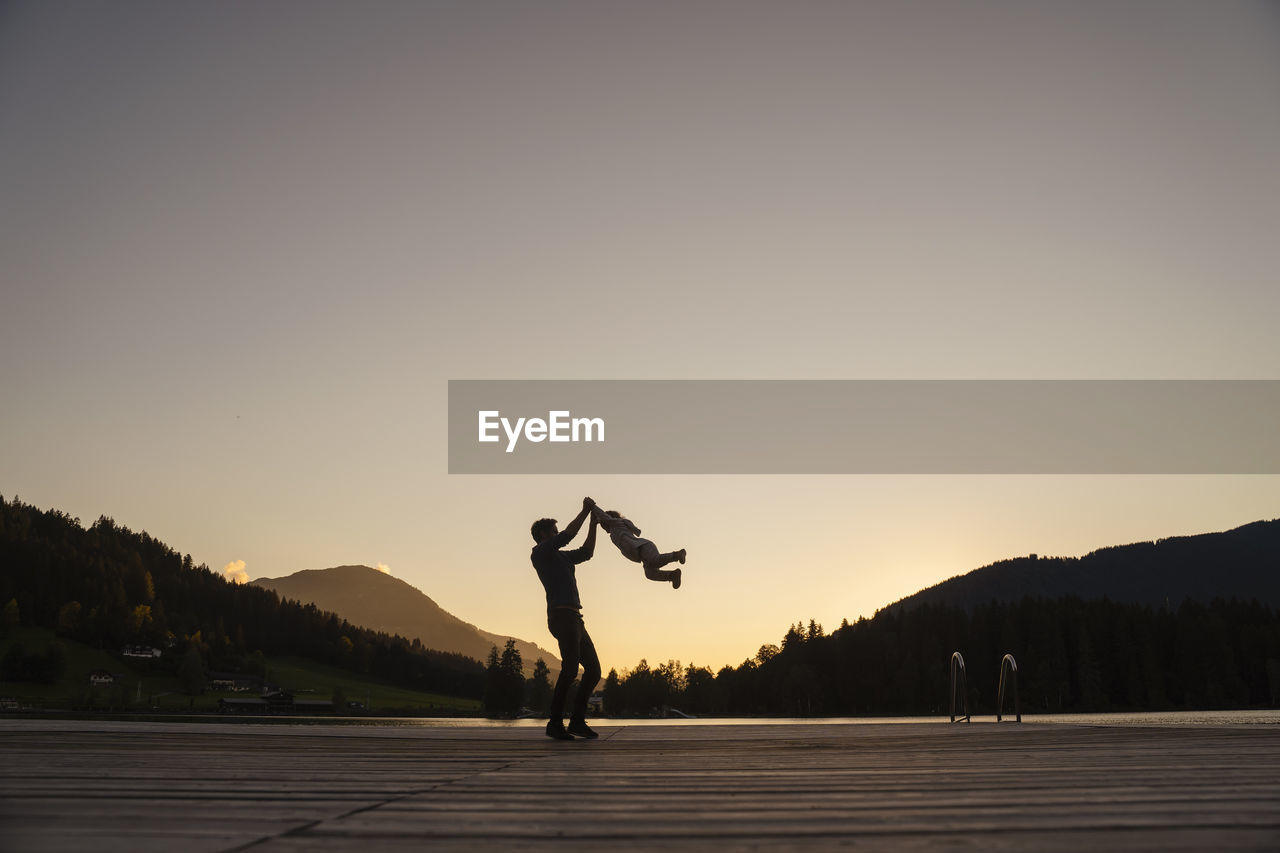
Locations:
(1250, 717)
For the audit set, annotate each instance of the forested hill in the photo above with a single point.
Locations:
(109, 587)
(366, 596)
(1243, 563)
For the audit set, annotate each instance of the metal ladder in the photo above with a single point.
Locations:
(958, 677)
(1008, 676)
(1008, 673)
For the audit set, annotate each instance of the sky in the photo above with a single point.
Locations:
(244, 246)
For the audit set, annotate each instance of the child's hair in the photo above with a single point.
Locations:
(542, 528)
(614, 513)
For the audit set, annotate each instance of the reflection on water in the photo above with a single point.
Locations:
(1147, 718)
(1156, 718)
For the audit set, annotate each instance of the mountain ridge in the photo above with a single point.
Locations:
(373, 599)
(1243, 562)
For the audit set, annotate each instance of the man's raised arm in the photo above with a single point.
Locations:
(581, 555)
(571, 530)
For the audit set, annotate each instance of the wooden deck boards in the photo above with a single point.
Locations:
(76, 785)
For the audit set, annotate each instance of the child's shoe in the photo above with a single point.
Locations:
(675, 581)
(681, 557)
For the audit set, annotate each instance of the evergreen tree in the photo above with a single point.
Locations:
(512, 679)
(613, 700)
(540, 686)
(493, 683)
(793, 637)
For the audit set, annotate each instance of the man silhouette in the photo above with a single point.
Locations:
(556, 570)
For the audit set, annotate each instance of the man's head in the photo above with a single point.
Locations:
(543, 529)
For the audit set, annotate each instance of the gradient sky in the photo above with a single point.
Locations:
(243, 246)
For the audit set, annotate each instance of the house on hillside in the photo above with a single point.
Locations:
(143, 652)
(101, 678)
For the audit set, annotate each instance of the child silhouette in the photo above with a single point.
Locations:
(626, 536)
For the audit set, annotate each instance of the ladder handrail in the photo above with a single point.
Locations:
(1010, 666)
(957, 666)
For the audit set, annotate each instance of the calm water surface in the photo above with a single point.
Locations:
(1156, 718)
(1163, 718)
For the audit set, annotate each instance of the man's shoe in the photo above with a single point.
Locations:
(556, 730)
(580, 728)
(675, 581)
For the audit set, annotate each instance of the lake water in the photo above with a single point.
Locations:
(1156, 718)
(1161, 718)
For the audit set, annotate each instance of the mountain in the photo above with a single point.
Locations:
(108, 587)
(375, 600)
(1242, 563)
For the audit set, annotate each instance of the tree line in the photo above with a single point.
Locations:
(109, 587)
(507, 691)
(1073, 656)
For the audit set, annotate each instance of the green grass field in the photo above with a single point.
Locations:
(137, 688)
(299, 674)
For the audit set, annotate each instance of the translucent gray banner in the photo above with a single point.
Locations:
(864, 427)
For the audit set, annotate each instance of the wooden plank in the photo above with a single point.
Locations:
(70, 785)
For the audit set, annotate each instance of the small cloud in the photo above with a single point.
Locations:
(384, 568)
(234, 572)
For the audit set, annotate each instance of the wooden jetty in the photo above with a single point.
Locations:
(143, 786)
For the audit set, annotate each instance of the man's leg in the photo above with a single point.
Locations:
(566, 627)
(590, 678)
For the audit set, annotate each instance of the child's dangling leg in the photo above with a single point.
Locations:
(653, 563)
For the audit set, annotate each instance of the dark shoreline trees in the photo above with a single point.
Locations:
(1073, 655)
(504, 681)
(109, 587)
